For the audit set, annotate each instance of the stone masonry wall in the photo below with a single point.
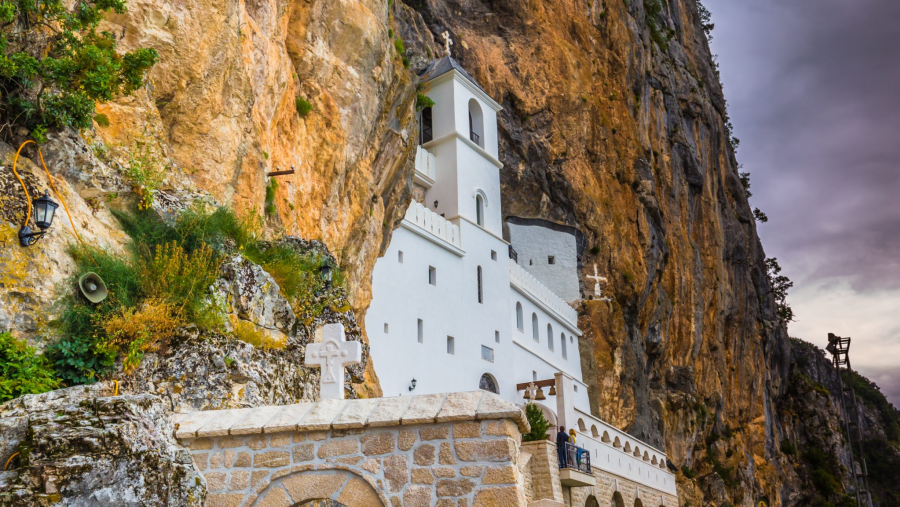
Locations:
(462, 464)
(544, 471)
(608, 484)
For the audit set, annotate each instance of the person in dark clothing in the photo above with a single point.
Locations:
(561, 439)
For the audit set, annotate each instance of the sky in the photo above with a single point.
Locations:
(813, 88)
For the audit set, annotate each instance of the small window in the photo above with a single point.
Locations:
(562, 343)
(487, 354)
(534, 376)
(420, 329)
(551, 260)
(534, 328)
(520, 321)
(426, 128)
(386, 328)
(493, 255)
(480, 291)
(432, 275)
(576, 388)
(451, 347)
(549, 337)
(479, 210)
(400, 256)
(496, 336)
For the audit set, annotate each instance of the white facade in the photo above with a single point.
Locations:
(448, 305)
(550, 255)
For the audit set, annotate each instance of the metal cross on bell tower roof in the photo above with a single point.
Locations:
(447, 43)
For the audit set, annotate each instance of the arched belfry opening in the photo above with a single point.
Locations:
(476, 123)
(479, 210)
(426, 126)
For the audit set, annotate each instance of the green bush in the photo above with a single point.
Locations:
(539, 424)
(79, 360)
(303, 107)
(22, 370)
(54, 64)
(688, 472)
(423, 101)
(788, 447)
(399, 46)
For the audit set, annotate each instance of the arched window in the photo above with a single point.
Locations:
(549, 337)
(426, 131)
(488, 383)
(520, 320)
(562, 342)
(594, 432)
(617, 500)
(581, 426)
(480, 291)
(534, 328)
(479, 210)
(476, 123)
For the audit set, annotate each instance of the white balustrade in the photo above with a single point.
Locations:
(530, 284)
(426, 170)
(433, 223)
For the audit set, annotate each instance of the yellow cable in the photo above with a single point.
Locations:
(117, 388)
(9, 460)
(50, 178)
(27, 197)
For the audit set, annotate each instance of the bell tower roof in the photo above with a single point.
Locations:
(447, 65)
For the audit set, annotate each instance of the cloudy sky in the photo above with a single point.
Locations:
(814, 94)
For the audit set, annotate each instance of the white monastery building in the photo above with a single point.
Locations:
(456, 307)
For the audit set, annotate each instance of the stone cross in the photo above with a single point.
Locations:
(332, 355)
(447, 43)
(598, 291)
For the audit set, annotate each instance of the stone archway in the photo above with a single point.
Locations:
(617, 500)
(321, 488)
(591, 502)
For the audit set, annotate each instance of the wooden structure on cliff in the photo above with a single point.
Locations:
(850, 411)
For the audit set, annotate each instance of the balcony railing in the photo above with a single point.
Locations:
(577, 458)
(475, 137)
(426, 169)
(433, 223)
(539, 291)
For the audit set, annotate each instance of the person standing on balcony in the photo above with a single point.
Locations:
(561, 439)
(577, 449)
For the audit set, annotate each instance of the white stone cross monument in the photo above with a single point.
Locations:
(598, 291)
(447, 43)
(332, 355)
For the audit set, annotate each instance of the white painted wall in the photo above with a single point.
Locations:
(534, 244)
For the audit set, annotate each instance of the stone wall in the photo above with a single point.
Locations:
(456, 450)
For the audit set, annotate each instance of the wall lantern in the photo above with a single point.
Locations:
(412, 385)
(44, 209)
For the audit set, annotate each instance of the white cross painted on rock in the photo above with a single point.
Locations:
(447, 43)
(332, 355)
(597, 279)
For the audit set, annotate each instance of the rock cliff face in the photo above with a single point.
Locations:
(614, 122)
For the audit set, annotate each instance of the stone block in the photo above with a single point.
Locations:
(215, 481)
(216, 460)
(275, 497)
(445, 502)
(494, 407)
(201, 460)
(187, 424)
(317, 436)
(423, 409)
(356, 413)
(298, 437)
(304, 452)
(417, 496)
(257, 442)
(358, 493)
(424, 455)
(490, 450)
(446, 456)
(435, 432)
(467, 430)
(463, 502)
(460, 406)
(503, 428)
(280, 440)
(338, 448)
(303, 487)
(201, 444)
(239, 480)
(288, 418)
(422, 476)
(389, 411)
(396, 472)
(230, 442)
(506, 496)
(443, 472)
(257, 476)
(454, 487)
(471, 471)
(224, 499)
(377, 443)
(271, 459)
(506, 474)
(255, 420)
(242, 460)
(406, 440)
(322, 415)
(222, 422)
(371, 465)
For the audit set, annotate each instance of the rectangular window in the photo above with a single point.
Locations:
(497, 336)
(576, 388)
(432, 275)
(420, 329)
(493, 255)
(400, 256)
(451, 348)
(386, 328)
(487, 354)
(551, 260)
(480, 291)
(534, 376)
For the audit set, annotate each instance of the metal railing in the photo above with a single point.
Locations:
(475, 137)
(576, 458)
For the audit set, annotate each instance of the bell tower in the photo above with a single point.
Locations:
(460, 130)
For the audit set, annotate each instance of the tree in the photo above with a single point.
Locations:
(55, 65)
(538, 422)
(780, 285)
(760, 216)
(745, 182)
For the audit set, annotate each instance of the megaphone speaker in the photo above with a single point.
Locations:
(93, 287)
